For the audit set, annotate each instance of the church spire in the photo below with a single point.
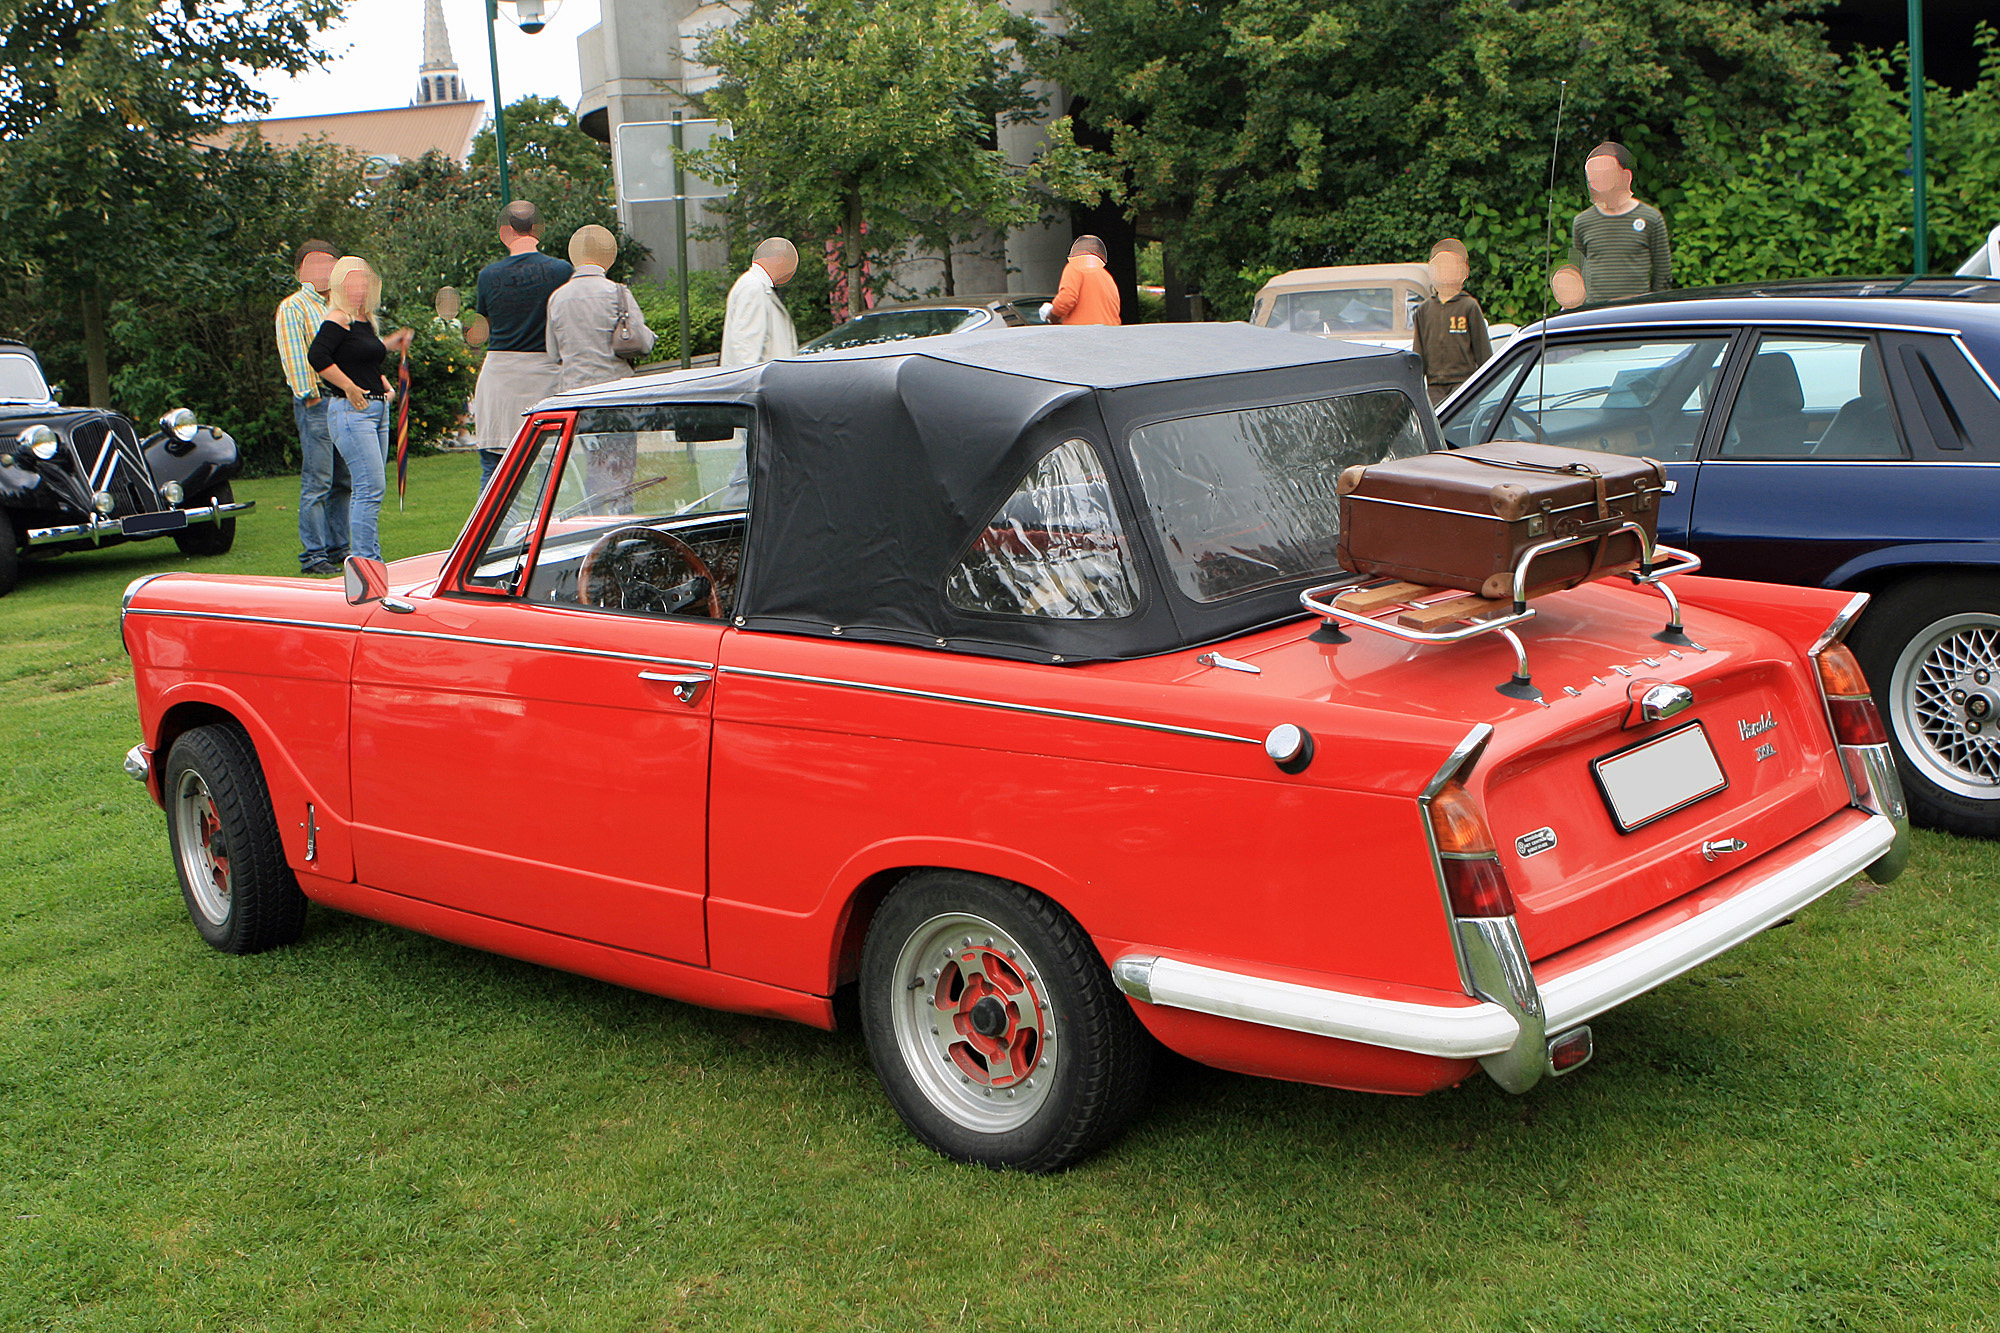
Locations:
(437, 77)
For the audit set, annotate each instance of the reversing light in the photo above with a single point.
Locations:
(1848, 702)
(1473, 881)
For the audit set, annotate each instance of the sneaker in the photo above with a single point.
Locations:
(320, 570)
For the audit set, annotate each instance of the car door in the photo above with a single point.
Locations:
(1797, 473)
(531, 740)
(1644, 392)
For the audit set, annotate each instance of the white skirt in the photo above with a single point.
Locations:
(510, 384)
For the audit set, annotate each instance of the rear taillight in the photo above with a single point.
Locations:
(1852, 708)
(1473, 880)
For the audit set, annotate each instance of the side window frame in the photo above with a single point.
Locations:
(473, 541)
(1737, 368)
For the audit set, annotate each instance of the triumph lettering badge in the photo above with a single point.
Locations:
(1757, 727)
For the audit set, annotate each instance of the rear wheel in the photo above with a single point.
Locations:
(1931, 649)
(240, 893)
(994, 1026)
(210, 538)
(10, 555)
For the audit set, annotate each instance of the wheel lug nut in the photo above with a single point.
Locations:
(1958, 696)
(1972, 727)
(1982, 675)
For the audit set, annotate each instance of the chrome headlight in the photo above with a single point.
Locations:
(104, 503)
(39, 441)
(172, 493)
(180, 424)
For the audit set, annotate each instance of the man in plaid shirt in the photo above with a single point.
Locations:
(323, 484)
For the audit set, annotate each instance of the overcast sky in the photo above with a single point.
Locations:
(381, 42)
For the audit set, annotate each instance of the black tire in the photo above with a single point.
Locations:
(1925, 645)
(1034, 1105)
(10, 555)
(239, 892)
(210, 538)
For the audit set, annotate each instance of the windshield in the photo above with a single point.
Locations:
(21, 380)
(1346, 310)
(887, 326)
(1245, 499)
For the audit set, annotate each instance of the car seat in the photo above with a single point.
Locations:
(1865, 426)
(1769, 420)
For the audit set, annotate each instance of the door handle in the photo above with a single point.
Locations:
(686, 688)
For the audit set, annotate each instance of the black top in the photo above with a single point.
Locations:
(356, 349)
(514, 294)
(874, 468)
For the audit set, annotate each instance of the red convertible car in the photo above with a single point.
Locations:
(1011, 679)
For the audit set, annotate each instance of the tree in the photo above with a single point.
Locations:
(101, 104)
(542, 135)
(876, 120)
(1268, 134)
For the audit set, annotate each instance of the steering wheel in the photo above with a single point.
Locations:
(632, 569)
(1511, 423)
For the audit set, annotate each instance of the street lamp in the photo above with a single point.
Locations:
(530, 16)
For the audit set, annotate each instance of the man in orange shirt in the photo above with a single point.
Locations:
(1089, 294)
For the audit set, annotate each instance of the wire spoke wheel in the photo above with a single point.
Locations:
(973, 1025)
(202, 848)
(1945, 702)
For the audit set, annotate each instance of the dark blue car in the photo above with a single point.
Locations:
(1845, 434)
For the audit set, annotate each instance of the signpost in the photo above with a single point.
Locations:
(650, 170)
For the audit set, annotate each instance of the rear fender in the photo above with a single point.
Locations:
(1799, 616)
(1878, 567)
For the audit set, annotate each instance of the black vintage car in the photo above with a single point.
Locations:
(73, 478)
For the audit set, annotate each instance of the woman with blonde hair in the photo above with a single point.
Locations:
(348, 354)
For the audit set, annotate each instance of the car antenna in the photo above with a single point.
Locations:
(1548, 257)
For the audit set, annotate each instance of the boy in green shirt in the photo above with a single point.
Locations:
(1618, 244)
(1449, 329)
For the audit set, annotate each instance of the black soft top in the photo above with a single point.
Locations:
(874, 468)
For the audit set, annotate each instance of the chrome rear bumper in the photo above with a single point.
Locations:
(1508, 1026)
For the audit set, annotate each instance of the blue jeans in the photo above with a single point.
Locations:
(323, 489)
(357, 436)
(489, 463)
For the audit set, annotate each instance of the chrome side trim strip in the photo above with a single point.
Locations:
(1032, 709)
(236, 615)
(1450, 1032)
(1595, 987)
(1842, 622)
(564, 648)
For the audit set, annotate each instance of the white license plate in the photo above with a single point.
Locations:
(1654, 779)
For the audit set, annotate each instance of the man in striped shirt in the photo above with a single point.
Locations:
(323, 483)
(1618, 244)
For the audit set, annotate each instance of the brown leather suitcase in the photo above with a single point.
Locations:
(1462, 518)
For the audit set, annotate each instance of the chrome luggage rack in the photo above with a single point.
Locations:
(1471, 615)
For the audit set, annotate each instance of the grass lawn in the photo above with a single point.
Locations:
(375, 1130)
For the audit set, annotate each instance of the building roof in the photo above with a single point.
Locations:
(396, 134)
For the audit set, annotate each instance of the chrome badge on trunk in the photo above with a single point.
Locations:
(1535, 843)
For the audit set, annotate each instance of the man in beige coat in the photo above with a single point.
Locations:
(756, 326)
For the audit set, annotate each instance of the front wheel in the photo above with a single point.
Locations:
(994, 1026)
(210, 538)
(1932, 653)
(240, 893)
